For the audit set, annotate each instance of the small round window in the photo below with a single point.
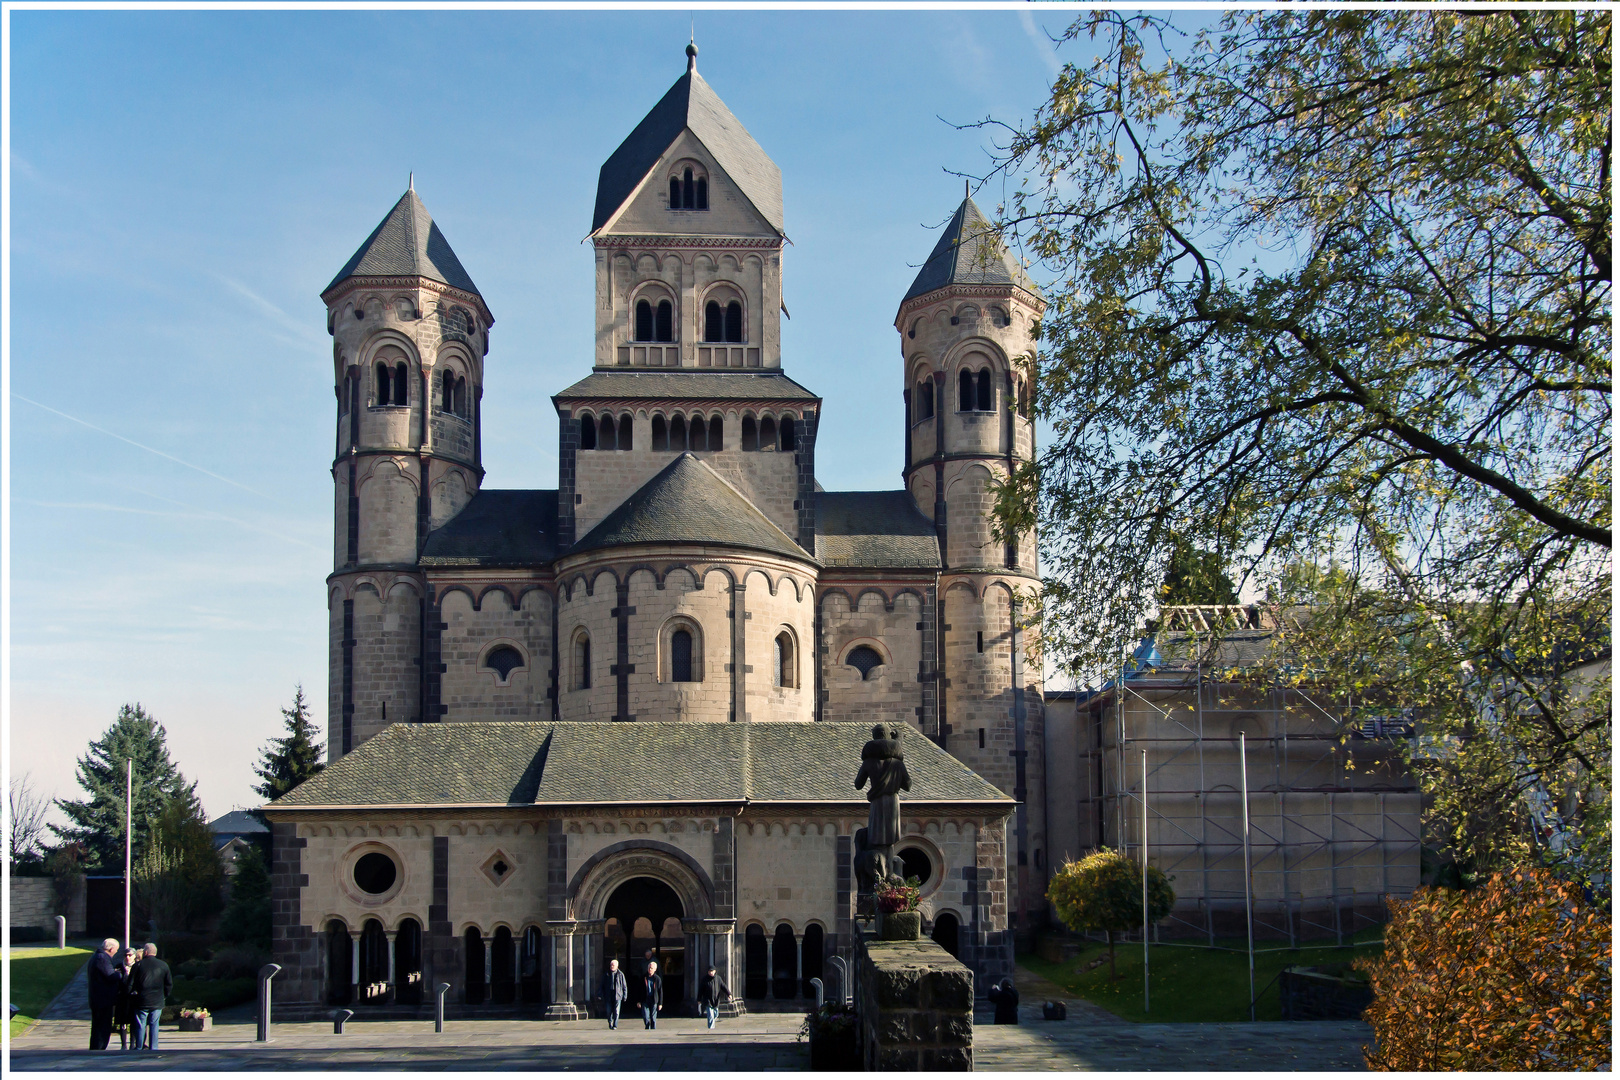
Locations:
(917, 864)
(375, 872)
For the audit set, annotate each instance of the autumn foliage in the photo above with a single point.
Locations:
(1103, 891)
(1514, 975)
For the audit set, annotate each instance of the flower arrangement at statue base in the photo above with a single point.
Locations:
(898, 917)
(195, 1020)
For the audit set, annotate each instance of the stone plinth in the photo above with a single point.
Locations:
(916, 1006)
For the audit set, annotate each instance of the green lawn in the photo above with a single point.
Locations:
(1190, 985)
(37, 976)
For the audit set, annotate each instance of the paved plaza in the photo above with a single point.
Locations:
(1090, 1040)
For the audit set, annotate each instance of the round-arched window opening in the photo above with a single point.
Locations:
(503, 660)
(375, 872)
(864, 658)
(917, 864)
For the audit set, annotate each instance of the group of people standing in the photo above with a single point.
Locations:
(616, 990)
(127, 994)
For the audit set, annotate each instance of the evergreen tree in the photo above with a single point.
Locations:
(290, 761)
(178, 878)
(98, 822)
(247, 917)
(1195, 576)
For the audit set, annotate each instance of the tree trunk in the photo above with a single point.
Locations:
(1112, 974)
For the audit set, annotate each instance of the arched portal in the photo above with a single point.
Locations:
(646, 907)
(502, 963)
(408, 963)
(813, 948)
(472, 945)
(373, 980)
(784, 963)
(531, 966)
(755, 980)
(945, 933)
(339, 963)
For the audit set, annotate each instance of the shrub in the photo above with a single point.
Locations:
(1514, 975)
(1103, 891)
(237, 962)
(247, 916)
(177, 949)
(21, 934)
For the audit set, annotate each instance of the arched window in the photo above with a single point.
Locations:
(1023, 400)
(734, 321)
(587, 433)
(714, 322)
(383, 395)
(688, 191)
(674, 193)
(660, 433)
(664, 330)
(503, 660)
(582, 661)
(402, 385)
(786, 668)
(644, 321)
(702, 193)
(986, 396)
(461, 397)
(625, 440)
(750, 435)
(964, 391)
(677, 433)
(925, 400)
(717, 432)
(680, 656)
(767, 434)
(604, 437)
(699, 438)
(473, 948)
(787, 437)
(449, 392)
(864, 658)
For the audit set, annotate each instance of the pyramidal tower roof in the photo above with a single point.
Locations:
(969, 253)
(690, 104)
(407, 244)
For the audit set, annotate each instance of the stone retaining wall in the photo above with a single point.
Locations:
(916, 1006)
(33, 903)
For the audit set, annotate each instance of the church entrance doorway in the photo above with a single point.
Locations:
(644, 922)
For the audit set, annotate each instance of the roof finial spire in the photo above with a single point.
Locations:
(691, 50)
(967, 190)
(410, 184)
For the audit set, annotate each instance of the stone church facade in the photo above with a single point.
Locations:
(569, 723)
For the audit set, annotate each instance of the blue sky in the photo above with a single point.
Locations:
(183, 186)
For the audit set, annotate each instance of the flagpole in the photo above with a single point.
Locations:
(1145, 992)
(1248, 872)
(129, 835)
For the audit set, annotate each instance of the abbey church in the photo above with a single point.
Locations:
(625, 714)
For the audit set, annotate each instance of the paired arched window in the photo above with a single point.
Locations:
(863, 658)
(723, 323)
(679, 433)
(605, 433)
(973, 391)
(785, 670)
(764, 433)
(393, 384)
(453, 393)
(582, 661)
(655, 323)
(687, 192)
(924, 400)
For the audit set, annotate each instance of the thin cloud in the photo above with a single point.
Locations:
(194, 514)
(299, 328)
(1044, 48)
(142, 446)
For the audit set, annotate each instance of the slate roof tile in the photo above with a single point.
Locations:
(497, 528)
(969, 253)
(407, 244)
(686, 385)
(873, 529)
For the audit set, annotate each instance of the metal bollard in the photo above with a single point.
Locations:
(815, 984)
(266, 973)
(837, 963)
(339, 1018)
(61, 933)
(438, 1011)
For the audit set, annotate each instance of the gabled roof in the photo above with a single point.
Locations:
(523, 763)
(689, 503)
(690, 104)
(969, 253)
(687, 385)
(497, 528)
(237, 823)
(877, 529)
(407, 244)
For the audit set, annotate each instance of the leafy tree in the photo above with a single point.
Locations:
(1197, 577)
(28, 809)
(247, 915)
(1335, 287)
(98, 822)
(1514, 975)
(1103, 891)
(178, 878)
(289, 761)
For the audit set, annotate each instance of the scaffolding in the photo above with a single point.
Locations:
(1334, 815)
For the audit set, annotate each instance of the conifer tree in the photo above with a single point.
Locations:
(247, 916)
(290, 761)
(98, 822)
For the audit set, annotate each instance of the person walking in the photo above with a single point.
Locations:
(105, 979)
(150, 984)
(614, 991)
(711, 992)
(652, 996)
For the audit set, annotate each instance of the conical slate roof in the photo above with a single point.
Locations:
(689, 503)
(969, 253)
(690, 103)
(407, 244)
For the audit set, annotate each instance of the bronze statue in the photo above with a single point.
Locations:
(884, 766)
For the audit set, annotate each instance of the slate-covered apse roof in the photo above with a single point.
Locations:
(497, 528)
(407, 244)
(970, 252)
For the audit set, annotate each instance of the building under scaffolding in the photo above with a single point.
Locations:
(1333, 813)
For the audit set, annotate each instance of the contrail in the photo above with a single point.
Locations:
(141, 446)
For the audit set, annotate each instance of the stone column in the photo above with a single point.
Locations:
(561, 934)
(770, 965)
(798, 966)
(392, 936)
(354, 965)
(489, 969)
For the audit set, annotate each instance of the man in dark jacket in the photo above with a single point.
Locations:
(106, 979)
(1005, 999)
(652, 996)
(711, 992)
(151, 984)
(614, 991)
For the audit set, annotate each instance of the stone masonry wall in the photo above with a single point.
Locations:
(916, 1007)
(471, 691)
(891, 692)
